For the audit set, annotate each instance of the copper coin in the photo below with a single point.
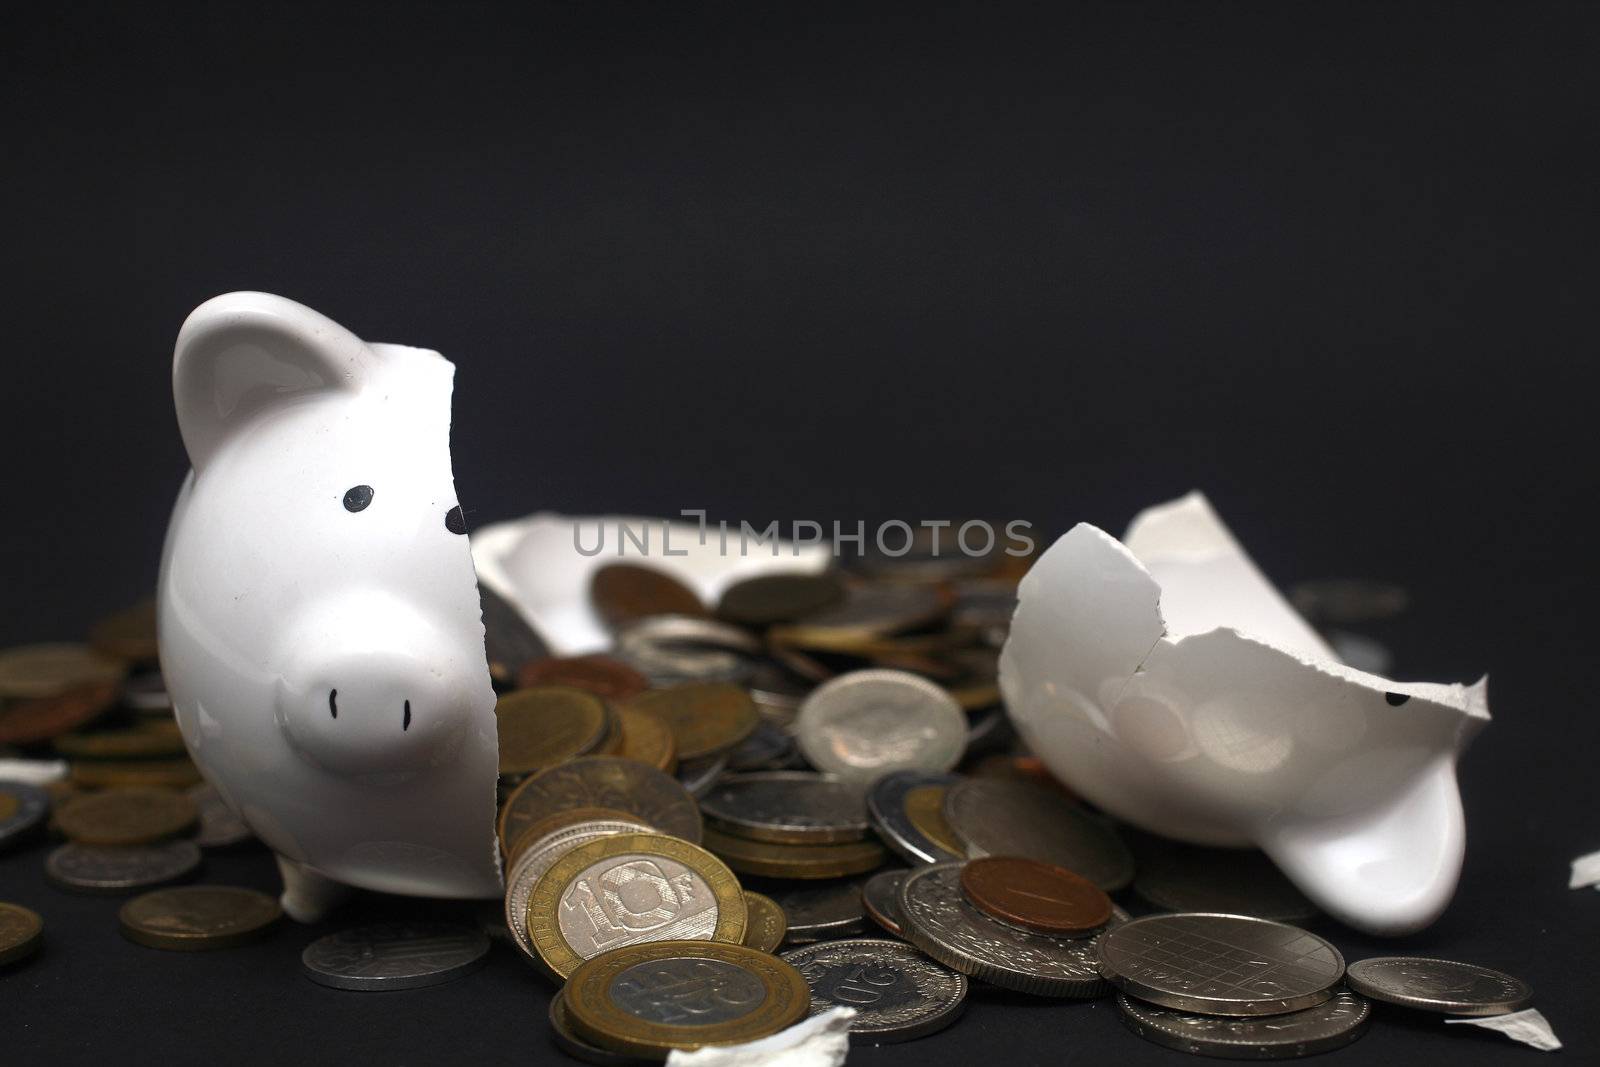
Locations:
(129, 634)
(24, 722)
(600, 675)
(1035, 896)
(704, 717)
(624, 592)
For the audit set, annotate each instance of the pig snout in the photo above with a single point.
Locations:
(371, 687)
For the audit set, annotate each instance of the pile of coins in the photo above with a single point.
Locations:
(700, 826)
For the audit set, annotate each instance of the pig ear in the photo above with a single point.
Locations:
(241, 354)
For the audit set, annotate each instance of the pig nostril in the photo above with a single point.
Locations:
(405, 724)
(332, 706)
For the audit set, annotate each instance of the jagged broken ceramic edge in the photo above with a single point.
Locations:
(1170, 537)
(534, 564)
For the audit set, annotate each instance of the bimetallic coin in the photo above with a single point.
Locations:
(998, 818)
(629, 889)
(1231, 881)
(1036, 896)
(1439, 985)
(568, 1041)
(705, 717)
(765, 925)
(540, 855)
(30, 671)
(198, 917)
(924, 806)
(647, 739)
(1220, 964)
(547, 725)
(220, 825)
(817, 910)
(862, 725)
(23, 809)
(897, 992)
(941, 921)
(21, 930)
(892, 819)
(795, 861)
(771, 598)
(115, 869)
(601, 675)
(400, 955)
(648, 999)
(127, 817)
(602, 782)
(787, 807)
(1334, 1023)
(626, 592)
(880, 895)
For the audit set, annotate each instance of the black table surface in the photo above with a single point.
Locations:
(1333, 264)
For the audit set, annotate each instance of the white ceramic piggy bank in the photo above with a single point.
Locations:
(319, 617)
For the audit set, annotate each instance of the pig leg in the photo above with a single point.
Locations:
(307, 895)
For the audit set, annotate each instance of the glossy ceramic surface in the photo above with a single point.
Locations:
(318, 612)
(1167, 681)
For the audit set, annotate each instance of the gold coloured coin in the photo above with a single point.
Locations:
(628, 889)
(21, 930)
(924, 806)
(643, 792)
(50, 670)
(198, 917)
(795, 861)
(547, 725)
(135, 774)
(705, 717)
(150, 740)
(127, 817)
(632, 1000)
(647, 739)
(128, 635)
(766, 924)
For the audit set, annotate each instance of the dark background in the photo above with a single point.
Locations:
(1333, 264)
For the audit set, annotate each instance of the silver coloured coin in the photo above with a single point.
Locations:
(777, 693)
(1177, 877)
(27, 806)
(111, 870)
(820, 909)
(897, 992)
(886, 808)
(1439, 985)
(1334, 1023)
(220, 826)
(540, 857)
(678, 648)
(146, 692)
(880, 895)
(404, 955)
(1220, 964)
(699, 775)
(787, 807)
(940, 921)
(862, 725)
(993, 817)
(768, 748)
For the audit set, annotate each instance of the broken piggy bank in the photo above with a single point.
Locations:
(1165, 680)
(318, 612)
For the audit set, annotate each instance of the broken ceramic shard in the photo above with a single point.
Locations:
(823, 1040)
(318, 613)
(1166, 680)
(543, 564)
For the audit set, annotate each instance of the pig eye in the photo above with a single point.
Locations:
(357, 497)
(454, 521)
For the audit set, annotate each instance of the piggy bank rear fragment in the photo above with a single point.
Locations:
(319, 616)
